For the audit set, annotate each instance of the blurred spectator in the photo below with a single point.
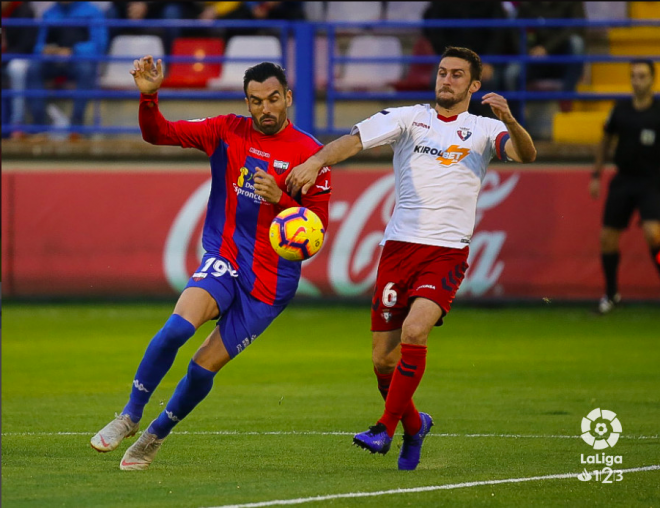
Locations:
(551, 41)
(249, 11)
(17, 40)
(483, 41)
(66, 42)
(290, 11)
(226, 10)
(138, 11)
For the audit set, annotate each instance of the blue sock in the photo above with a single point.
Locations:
(157, 360)
(190, 391)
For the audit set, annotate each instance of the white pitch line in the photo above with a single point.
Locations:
(315, 433)
(451, 486)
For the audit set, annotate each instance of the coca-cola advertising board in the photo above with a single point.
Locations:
(133, 234)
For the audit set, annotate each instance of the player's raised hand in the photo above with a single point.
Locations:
(148, 77)
(266, 186)
(302, 177)
(499, 105)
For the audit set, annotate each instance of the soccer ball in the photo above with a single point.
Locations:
(297, 233)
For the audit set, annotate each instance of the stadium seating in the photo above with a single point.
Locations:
(194, 74)
(419, 75)
(314, 11)
(354, 11)
(320, 62)
(116, 74)
(584, 123)
(372, 76)
(405, 11)
(644, 10)
(266, 47)
(578, 126)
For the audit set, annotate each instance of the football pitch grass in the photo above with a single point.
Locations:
(507, 389)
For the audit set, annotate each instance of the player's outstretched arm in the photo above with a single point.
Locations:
(304, 175)
(148, 77)
(520, 146)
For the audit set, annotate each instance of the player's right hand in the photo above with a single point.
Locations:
(302, 177)
(148, 77)
(594, 187)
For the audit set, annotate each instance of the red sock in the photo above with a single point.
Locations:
(410, 420)
(406, 379)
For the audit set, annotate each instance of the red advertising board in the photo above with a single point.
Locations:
(138, 234)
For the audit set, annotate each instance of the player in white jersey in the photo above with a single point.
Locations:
(440, 158)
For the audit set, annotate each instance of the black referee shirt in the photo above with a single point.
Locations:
(638, 150)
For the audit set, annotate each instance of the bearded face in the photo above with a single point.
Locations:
(453, 82)
(268, 103)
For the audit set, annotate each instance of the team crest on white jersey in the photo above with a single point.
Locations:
(464, 133)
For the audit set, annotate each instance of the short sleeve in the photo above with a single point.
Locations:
(384, 127)
(611, 124)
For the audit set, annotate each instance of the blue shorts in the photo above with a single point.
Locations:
(242, 317)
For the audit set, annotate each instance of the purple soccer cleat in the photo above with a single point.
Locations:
(375, 439)
(412, 445)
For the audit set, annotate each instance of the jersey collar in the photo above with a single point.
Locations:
(447, 118)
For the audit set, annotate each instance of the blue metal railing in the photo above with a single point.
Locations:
(304, 34)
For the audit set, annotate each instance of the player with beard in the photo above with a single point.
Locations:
(241, 282)
(441, 155)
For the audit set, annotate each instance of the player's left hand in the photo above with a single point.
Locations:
(500, 107)
(302, 177)
(266, 186)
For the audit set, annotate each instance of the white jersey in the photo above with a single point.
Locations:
(439, 164)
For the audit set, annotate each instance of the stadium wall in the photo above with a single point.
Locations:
(136, 233)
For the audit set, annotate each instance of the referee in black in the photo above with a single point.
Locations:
(636, 124)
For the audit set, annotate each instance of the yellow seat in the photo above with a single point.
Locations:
(592, 105)
(578, 127)
(610, 73)
(643, 41)
(644, 10)
(613, 88)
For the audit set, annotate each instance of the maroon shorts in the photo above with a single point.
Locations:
(410, 270)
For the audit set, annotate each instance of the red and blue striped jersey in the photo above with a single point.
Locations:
(237, 219)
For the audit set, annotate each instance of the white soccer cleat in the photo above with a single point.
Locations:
(605, 306)
(141, 453)
(109, 437)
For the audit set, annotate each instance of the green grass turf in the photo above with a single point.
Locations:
(514, 371)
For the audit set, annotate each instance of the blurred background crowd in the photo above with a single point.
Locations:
(73, 55)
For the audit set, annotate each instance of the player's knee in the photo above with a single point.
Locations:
(384, 364)
(414, 333)
(609, 240)
(176, 332)
(652, 236)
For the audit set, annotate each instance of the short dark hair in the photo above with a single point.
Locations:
(261, 72)
(644, 61)
(469, 56)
